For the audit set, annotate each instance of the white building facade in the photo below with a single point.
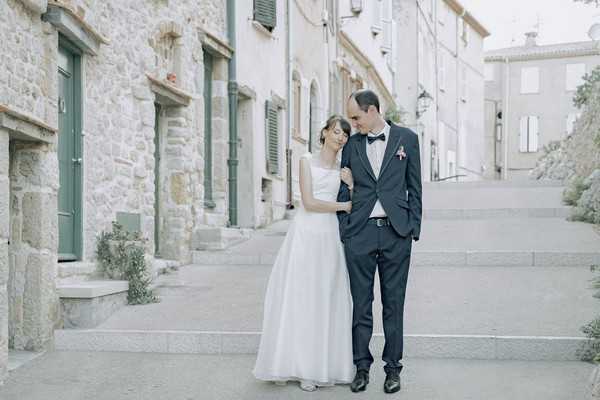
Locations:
(440, 85)
(529, 100)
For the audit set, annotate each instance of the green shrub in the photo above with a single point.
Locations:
(573, 192)
(590, 351)
(122, 256)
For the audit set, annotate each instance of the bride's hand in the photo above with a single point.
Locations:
(347, 206)
(346, 175)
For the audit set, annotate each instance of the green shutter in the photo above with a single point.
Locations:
(272, 138)
(265, 12)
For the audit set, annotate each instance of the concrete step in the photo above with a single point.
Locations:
(87, 304)
(492, 312)
(504, 241)
(432, 258)
(122, 376)
(531, 348)
(496, 213)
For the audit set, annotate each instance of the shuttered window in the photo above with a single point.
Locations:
(265, 13)
(529, 134)
(272, 139)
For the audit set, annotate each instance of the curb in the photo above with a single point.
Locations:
(433, 258)
(484, 347)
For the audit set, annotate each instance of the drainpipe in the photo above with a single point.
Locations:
(505, 117)
(290, 115)
(232, 89)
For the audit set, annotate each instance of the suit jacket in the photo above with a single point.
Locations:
(398, 187)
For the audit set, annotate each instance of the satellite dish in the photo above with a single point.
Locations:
(594, 31)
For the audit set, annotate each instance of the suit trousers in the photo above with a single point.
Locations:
(381, 248)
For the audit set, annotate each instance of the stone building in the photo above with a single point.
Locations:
(529, 100)
(108, 111)
(440, 86)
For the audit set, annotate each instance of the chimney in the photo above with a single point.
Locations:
(530, 39)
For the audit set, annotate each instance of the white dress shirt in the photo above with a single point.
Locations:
(375, 152)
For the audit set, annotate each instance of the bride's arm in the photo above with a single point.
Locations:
(306, 191)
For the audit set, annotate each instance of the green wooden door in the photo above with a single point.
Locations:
(69, 155)
(208, 173)
(156, 180)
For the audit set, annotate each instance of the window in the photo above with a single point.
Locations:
(451, 158)
(442, 72)
(489, 72)
(530, 80)
(356, 6)
(387, 27)
(443, 14)
(574, 75)
(265, 13)
(463, 30)
(272, 140)
(463, 83)
(296, 107)
(571, 119)
(529, 134)
(377, 11)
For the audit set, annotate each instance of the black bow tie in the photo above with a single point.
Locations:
(371, 139)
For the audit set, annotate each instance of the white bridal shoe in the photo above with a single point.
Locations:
(308, 386)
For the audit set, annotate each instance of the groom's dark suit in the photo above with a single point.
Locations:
(384, 244)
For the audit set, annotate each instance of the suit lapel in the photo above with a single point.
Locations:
(362, 154)
(391, 148)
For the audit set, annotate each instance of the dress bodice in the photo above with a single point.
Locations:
(325, 181)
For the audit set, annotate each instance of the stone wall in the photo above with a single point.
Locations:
(119, 118)
(28, 63)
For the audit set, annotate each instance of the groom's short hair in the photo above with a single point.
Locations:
(365, 98)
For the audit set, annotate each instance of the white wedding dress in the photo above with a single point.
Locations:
(307, 323)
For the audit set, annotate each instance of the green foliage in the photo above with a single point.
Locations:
(395, 114)
(551, 146)
(587, 88)
(122, 256)
(573, 192)
(594, 2)
(590, 351)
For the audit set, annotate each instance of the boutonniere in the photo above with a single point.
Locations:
(400, 153)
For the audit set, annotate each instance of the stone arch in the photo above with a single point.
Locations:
(167, 45)
(315, 115)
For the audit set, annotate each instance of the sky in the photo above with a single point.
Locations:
(560, 21)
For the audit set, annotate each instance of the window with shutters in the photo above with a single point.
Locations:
(529, 134)
(530, 80)
(272, 139)
(376, 13)
(296, 107)
(442, 72)
(356, 6)
(265, 13)
(386, 25)
(574, 76)
(463, 83)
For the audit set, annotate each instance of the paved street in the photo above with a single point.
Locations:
(502, 322)
(135, 376)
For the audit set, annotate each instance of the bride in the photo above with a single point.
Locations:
(307, 323)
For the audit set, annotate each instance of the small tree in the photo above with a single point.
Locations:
(591, 349)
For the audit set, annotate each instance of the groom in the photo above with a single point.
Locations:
(378, 233)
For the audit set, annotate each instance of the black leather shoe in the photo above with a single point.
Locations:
(392, 382)
(360, 381)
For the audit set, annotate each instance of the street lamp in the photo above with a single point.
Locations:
(594, 31)
(423, 102)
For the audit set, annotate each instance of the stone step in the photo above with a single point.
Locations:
(87, 304)
(495, 213)
(431, 258)
(62, 375)
(482, 347)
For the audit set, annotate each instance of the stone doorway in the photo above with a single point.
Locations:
(28, 234)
